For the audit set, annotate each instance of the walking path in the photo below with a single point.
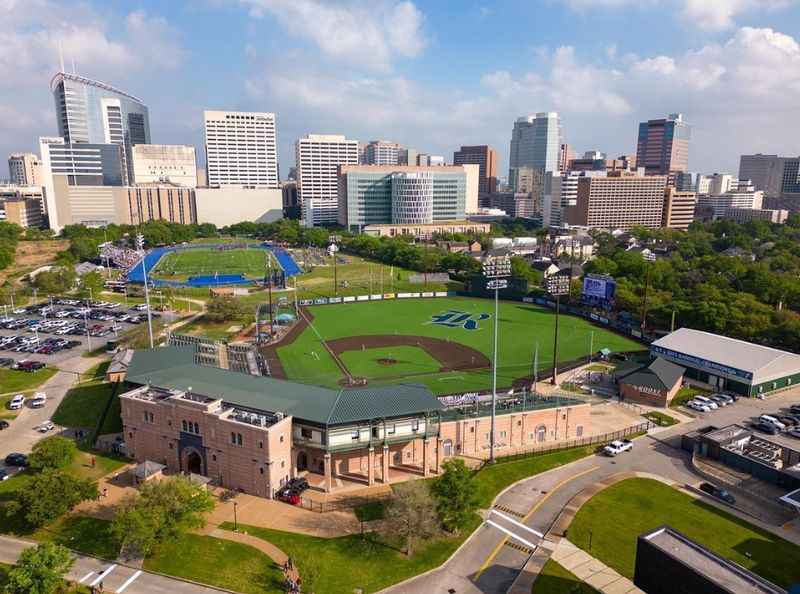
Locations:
(592, 571)
(269, 549)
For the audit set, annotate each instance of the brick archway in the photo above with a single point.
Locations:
(193, 461)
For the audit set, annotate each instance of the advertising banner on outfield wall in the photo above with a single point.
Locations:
(334, 299)
(362, 298)
(321, 301)
(376, 297)
(427, 294)
(306, 302)
(404, 295)
(388, 295)
(440, 294)
(348, 299)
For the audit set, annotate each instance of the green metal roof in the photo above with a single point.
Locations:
(659, 374)
(174, 368)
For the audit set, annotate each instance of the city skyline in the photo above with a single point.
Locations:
(730, 67)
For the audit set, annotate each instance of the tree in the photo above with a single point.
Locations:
(160, 511)
(225, 309)
(40, 570)
(91, 284)
(52, 493)
(53, 452)
(455, 494)
(411, 515)
(58, 280)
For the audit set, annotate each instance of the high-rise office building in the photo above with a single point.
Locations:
(381, 152)
(565, 156)
(772, 174)
(89, 111)
(241, 149)
(535, 142)
(428, 160)
(663, 145)
(25, 169)
(743, 195)
(678, 209)
(596, 161)
(486, 159)
(407, 156)
(318, 157)
(22, 205)
(618, 200)
(158, 163)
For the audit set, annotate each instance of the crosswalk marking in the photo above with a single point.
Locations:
(516, 523)
(527, 543)
(102, 575)
(86, 577)
(129, 581)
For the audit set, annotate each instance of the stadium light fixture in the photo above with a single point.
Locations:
(557, 285)
(496, 269)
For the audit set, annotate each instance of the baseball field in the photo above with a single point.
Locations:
(181, 264)
(445, 343)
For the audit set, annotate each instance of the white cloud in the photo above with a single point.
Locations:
(357, 33)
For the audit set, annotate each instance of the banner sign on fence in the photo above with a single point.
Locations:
(388, 295)
(540, 301)
(306, 302)
(440, 294)
(321, 301)
(362, 298)
(377, 297)
(404, 295)
(334, 299)
(348, 299)
(459, 399)
(527, 300)
(427, 294)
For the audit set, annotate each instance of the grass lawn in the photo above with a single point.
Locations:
(685, 394)
(208, 329)
(20, 381)
(219, 563)
(554, 579)
(97, 372)
(182, 264)
(91, 536)
(348, 562)
(619, 514)
(522, 326)
(408, 360)
(83, 405)
(490, 480)
(661, 419)
(103, 464)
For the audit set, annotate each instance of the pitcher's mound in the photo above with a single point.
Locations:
(387, 361)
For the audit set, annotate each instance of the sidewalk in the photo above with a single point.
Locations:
(592, 571)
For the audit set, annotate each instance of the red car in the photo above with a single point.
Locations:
(288, 496)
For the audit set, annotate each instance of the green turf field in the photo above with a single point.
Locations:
(185, 263)
(522, 326)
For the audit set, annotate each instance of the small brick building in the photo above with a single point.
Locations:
(654, 383)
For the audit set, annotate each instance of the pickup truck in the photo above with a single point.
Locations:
(617, 447)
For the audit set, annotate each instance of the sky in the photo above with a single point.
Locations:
(432, 75)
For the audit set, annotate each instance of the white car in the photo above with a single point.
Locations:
(46, 426)
(16, 402)
(39, 400)
(617, 447)
(699, 406)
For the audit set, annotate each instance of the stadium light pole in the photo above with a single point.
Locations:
(140, 249)
(269, 290)
(333, 248)
(496, 270)
(557, 285)
(648, 258)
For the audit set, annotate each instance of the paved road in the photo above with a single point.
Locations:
(488, 564)
(116, 578)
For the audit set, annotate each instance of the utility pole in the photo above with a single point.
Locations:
(591, 345)
(495, 270)
(140, 248)
(269, 291)
(557, 285)
(672, 324)
(535, 368)
(648, 257)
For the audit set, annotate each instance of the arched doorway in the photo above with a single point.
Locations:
(541, 433)
(194, 463)
(302, 461)
(447, 446)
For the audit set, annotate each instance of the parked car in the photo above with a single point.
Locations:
(772, 421)
(718, 493)
(766, 428)
(794, 433)
(707, 401)
(46, 426)
(16, 402)
(3, 424)
(286, 495)
(720, 400)
(39, 400)
(618, 447)
(787, 420)
(3, 475)
(698, 406)
(16, 459)
(298, 484)
(795, 408)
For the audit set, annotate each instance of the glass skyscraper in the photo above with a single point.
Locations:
(535, 143)
(89, 111)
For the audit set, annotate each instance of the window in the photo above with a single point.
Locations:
(260, 445)
(390, 429)
(415, 425)
(261, 470)
(214, 457)
(472, 429)
(184, 425)
(579, 430)
(149, 417)
(170, 445)
(305, 433)
(503, 435)
(541, 433)
(197, 428)
(283, 463)
(355, 435)
(238, 439)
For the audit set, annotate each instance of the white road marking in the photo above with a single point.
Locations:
(86, 577)
(102, 575)
(516, 523)
(129, 581)
(511, 534)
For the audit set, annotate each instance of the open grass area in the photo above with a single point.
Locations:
(348, 562)
(218, 562)
(15, 382)
(554, 579)
(616, 516)
(661, 419)
(204, 327)
(91, 536)
(522, 327)
(685, 394)
(179, 265)
(83, 405)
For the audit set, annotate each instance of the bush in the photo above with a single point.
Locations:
(53, 452)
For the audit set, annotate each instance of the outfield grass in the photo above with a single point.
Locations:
(554, 579)
(616, 516)
(217, 562)
(522, 326)
(350, 562)
(179, 265)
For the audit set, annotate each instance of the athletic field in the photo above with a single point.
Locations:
(181, 264)
(415, 339)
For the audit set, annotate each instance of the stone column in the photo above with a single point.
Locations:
(439, 453)
(385, 464)
(426, 443)
(328, 469)
(371, 463)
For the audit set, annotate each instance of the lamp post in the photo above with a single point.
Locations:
(557, 285)
(495, 270)
(332, 249)
(648, 257)
(140, 249)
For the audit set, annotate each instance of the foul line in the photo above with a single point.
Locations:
(539, 503)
